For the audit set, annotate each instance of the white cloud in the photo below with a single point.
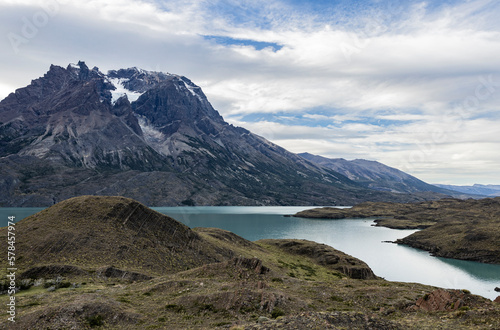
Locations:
(431, 150)
(5, 89)
(419, 70)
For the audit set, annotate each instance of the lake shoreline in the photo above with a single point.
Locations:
(450, 228)
(135, 267)
(255, 223)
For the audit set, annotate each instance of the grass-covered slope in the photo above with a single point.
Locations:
(468, 230)
(89, 232)
(452, 228)
(72, 274)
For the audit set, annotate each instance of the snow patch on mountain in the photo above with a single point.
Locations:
(192, 88)
(121, 90)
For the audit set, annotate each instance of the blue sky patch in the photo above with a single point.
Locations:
(321, 119)
(258, 45)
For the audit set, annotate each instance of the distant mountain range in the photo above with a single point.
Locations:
(375, 175)
(477, 189)
(155, 137)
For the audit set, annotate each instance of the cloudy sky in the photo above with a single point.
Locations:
(412, 84)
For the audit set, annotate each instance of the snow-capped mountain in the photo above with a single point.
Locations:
(150, 136)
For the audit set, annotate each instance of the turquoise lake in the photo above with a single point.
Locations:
(356, 237)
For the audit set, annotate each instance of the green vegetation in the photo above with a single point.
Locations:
(277, 313)
(95, 321)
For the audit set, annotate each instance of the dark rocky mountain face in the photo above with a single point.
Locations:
(150, 136)
(67, 118)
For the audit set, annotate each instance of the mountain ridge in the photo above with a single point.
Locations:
(489, 190)
(377, 176)
(153, 137)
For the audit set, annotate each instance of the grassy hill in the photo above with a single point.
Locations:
(91, 231)
(112, 263)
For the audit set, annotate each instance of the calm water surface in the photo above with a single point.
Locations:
(356, 237)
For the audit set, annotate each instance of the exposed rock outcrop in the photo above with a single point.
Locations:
(253, 264)
(326, 256)
(441, 300)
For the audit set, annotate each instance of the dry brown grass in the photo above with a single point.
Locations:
(216, 280)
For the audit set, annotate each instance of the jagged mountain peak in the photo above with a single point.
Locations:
(66, 116)
(137, 80)
(131, 82)
(151, 136)
(134, 82)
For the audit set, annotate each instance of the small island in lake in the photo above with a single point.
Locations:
(451, 228)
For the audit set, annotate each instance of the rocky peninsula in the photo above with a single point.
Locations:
(451, 228)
